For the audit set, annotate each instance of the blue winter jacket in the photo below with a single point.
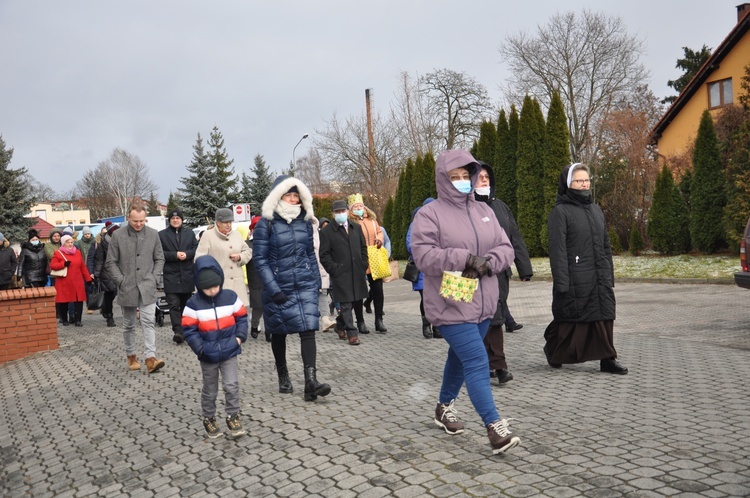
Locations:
(211, 325)
(284, 257)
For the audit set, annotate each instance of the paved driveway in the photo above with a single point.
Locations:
(77, 422)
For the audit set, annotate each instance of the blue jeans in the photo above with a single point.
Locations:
(467, 362)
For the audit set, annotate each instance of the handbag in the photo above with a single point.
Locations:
(96, 296)
(60, 273)
(378, 259)
(411, 272)
(394, 272)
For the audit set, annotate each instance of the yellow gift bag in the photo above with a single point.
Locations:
(379, 265)
(458, 288)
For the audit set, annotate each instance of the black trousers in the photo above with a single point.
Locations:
(307, 343)
(109, 298)
(62, 311)
(376, 293)
(176, 302)
(344, 320)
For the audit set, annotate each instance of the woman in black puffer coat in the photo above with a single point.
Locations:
(284, 257)
(102, 275)
(32, 262)
(583, 296)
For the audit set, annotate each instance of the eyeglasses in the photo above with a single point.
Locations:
(582, 182)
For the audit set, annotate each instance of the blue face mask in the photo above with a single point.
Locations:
(359, 212)
(34, 242)
(463, 186)
(340, 218)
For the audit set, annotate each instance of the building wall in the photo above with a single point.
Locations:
(67, 217)
(681, 132)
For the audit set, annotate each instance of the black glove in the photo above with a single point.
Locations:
(476, 267)
(67, 263)
(280, 298)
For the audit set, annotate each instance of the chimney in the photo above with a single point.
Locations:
(743, 9)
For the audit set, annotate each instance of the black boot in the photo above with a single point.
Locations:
(285, 384)
(313, 388)
(254, 332)
(268, 336)
(362, 328)
(379, 325)
(367, 303)
(177, 336)
(110, 320)
(436, 333)
(426, 330)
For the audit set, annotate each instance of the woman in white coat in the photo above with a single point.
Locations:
(229, 249)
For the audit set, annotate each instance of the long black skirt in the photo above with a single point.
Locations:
(576, 342)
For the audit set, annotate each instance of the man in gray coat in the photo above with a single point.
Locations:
(134, 260)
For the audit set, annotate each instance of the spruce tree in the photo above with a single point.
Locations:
(707, 194)
(172, 202)
(636, 240)
(504, 184)
(428, 163)
(153, 205)
(199, 202)
(557, 151)
(258, 185)
(221, 166)
(667, 227)
(398, 247)
(487, 144)
(16, 197)
(511, 160)
(388, 220)
(530, 174)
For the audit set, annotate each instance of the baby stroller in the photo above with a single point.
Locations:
(162, 307)
(162, 310)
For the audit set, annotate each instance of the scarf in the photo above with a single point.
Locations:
(288, 212)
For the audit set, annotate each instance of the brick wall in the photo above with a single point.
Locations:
(27, 322)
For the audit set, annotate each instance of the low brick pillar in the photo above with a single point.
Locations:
(27, 322)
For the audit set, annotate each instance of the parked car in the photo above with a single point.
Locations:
(742, 278)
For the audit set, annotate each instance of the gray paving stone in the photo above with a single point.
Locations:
(111, 432)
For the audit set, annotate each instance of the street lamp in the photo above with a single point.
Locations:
(294, 161)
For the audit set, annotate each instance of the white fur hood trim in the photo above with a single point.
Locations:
(275, 195)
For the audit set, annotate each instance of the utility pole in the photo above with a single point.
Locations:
(370, 141)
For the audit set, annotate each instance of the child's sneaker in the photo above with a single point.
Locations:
(212, 428)
(235, 426)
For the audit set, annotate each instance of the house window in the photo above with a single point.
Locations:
(720, 93)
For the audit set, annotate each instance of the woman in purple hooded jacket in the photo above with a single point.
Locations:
(457, 233)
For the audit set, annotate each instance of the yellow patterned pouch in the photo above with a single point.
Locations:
(458, 288)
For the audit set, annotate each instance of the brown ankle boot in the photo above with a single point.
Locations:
(152, 364)
(133, 362)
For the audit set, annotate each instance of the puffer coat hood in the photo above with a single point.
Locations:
(446, 232)
(206, 262)
(281, 186)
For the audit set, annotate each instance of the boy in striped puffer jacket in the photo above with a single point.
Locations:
(214, 324)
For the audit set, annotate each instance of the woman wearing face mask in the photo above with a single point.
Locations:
(583, 296)
(457, 233)
(71, 287)
(32, 262)
(284, 256)
(227, 247)
(365, 217)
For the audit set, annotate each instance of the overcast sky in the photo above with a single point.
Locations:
(79, 78)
